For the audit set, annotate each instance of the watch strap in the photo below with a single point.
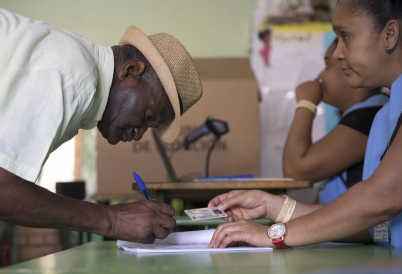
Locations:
(279, 243)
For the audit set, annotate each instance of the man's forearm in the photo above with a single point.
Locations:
(24, 203)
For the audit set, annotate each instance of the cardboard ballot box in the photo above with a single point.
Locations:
(230, 94)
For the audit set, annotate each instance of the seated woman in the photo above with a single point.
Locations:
(370, 50)
(339, 155)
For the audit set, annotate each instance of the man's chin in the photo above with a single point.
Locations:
(111, 141)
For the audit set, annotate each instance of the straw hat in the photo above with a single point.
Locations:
(175, 69)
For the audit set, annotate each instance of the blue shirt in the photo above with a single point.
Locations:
(380, 134)
(335, 186)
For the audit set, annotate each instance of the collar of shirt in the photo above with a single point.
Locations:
(372, 101)
(105, 64)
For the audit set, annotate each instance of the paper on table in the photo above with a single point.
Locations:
(189, 241)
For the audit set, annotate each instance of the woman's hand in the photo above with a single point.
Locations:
(248, 204)
(310, 91)
(241, 233)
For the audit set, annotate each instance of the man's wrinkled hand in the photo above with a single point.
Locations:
(141, 222)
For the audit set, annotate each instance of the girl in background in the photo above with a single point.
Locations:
(265, 36)
(339, 155)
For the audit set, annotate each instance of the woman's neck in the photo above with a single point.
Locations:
(357, 96)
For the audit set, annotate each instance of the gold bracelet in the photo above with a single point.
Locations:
(289, 210)
(282, 212)
(286, 211)
(307, 104)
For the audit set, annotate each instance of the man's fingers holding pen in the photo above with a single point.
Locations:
(163, 214)
(167, 222)
(141, 221)
(166, 209)
(161, 232)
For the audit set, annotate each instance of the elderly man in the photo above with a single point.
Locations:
(53, 83)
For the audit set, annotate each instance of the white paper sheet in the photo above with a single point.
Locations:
(190, 241)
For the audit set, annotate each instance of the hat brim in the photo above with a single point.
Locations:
(169, 131)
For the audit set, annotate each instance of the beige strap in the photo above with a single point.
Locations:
(307, 104)
(286, 211)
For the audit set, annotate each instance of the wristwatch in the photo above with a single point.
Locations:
(277, 233)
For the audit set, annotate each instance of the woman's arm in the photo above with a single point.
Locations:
(340, 149)
(363, 206)
(242, 206)
(254, 204)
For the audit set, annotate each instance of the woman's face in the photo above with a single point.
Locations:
(335, 87)
(360, 49)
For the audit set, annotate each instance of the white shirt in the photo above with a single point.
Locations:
(52, 83)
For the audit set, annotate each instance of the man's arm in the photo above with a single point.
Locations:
(363, 206)
(26, 204)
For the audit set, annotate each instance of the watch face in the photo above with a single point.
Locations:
(276, 231)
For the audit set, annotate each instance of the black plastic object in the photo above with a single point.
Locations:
(211, 125)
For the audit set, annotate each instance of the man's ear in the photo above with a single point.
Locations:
(392, 35)
(131, 69)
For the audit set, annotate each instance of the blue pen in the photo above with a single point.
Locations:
(141, 185)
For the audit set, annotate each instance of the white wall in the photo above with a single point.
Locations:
(207, 28)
